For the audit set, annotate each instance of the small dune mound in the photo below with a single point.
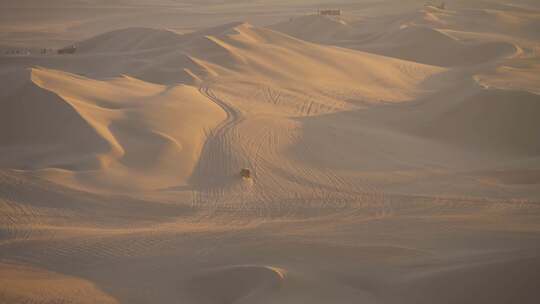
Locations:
(129, 39)
(25, 284)
(236, 284)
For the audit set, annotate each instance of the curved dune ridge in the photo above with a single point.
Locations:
(236, 284)
(240, 51)
(432, 46)
(268, 56)
(122, 127)
(415, 37)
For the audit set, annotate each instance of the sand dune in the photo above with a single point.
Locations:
(520, 74)
(245, 53)
(23, 284)
(50, 132)
(241, 51)
(98, 128)
(392, 152)
(413, 37)
(131, 39)
(484, 283)
(503, 121)
(431, 46)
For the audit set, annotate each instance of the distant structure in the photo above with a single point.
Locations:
(329, 12)
(17, 52)
(68, 50)
(441, 6)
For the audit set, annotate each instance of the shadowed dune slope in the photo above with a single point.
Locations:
(39, 129)
(495, 120)
(130, 39)
(496, 282)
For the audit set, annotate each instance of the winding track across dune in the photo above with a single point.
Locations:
(210, 162)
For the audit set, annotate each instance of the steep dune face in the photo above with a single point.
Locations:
(130, 126)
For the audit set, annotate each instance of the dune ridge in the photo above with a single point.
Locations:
(410, 38)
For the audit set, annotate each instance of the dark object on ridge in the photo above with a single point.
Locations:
(68, 50)
(245, 173)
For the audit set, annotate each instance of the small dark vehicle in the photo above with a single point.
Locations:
(245, 173)
(68, 50)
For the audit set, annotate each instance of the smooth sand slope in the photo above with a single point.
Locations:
(393, 152)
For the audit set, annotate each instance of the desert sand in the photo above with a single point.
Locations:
(393, 151)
